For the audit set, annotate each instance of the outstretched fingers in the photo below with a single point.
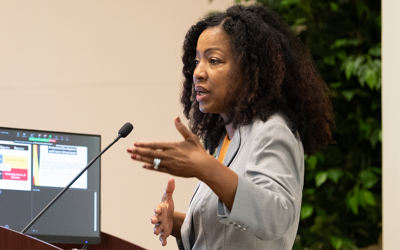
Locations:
(167, 196)
(145, 152)
(163, 214)
(154, 145)
(146, 155)
(157, 224)
(163, 238)
(183, 130)
(157, 219)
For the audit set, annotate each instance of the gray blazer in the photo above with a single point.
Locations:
(269, 161)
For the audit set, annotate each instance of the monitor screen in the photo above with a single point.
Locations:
(35, 166)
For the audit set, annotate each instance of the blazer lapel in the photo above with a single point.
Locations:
(233, 148)
(230, 155)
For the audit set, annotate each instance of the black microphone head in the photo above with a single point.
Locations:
(125, 130)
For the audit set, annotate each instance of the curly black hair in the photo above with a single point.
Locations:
(276, 73)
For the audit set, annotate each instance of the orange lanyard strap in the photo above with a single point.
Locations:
(224, 149)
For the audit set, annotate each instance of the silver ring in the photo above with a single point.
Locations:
(156, 163)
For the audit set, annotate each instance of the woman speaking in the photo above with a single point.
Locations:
(256, 105)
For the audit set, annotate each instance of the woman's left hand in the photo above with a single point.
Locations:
(183, 158)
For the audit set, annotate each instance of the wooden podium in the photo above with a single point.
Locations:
(13, 240)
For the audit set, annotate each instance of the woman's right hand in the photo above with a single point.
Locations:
(164, 212)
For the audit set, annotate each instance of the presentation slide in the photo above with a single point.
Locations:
(15, 162)
(56, 166)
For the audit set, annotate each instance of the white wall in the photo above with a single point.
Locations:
(90, 66)
(391, 123)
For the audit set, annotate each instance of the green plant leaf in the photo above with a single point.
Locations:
(309, 191)
(329, 59)
(369, 198)
(371, 78)
(348, 94)
(357, 62)
(361, 73)
(362, 8)
(365, 128)
(334, 6)
(299, 21)
(377, 64)
(341, 54)
(353, 203)
(349, 68)
(378, 84)
(334, 175)
(361, 199)
(312, 162)
(348, 245)
(320, 178)
(375, 169)
(346, 42)
(286, 3)
(336, 242)
(306, 211)
(375, 51)
(368, 179)
(335, 85)
(340, 42)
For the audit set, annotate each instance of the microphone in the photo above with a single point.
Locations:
(123, 132)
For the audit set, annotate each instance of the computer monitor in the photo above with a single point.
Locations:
(35, 165)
